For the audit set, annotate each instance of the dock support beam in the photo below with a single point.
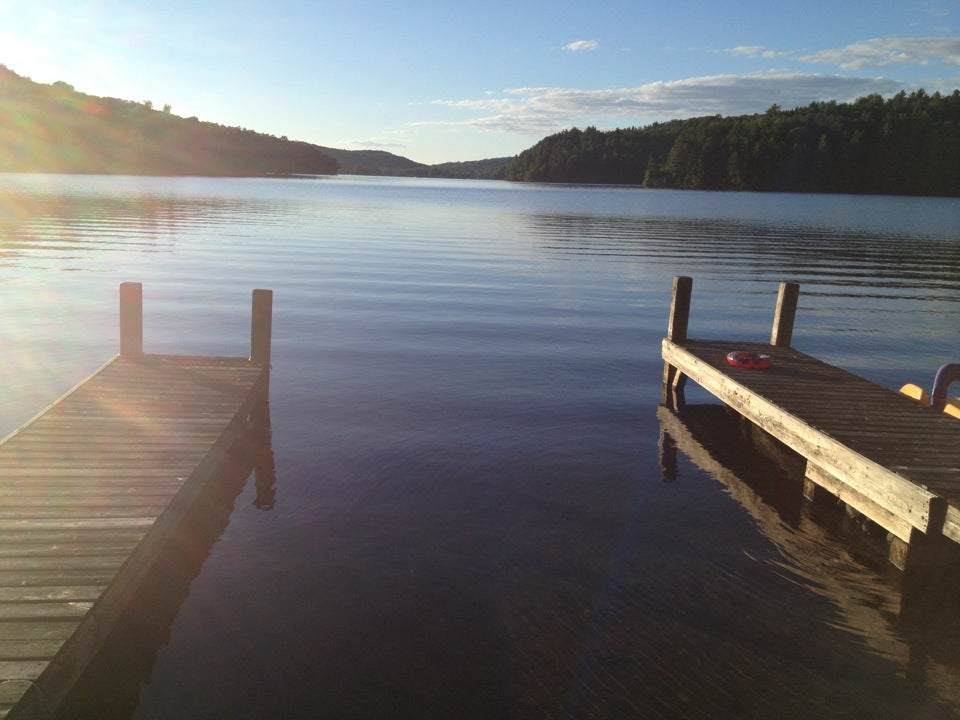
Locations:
(131, 319)
(673, 379)
(923, 551)
(786, 312)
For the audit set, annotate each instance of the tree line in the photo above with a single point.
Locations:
(53, 128)
(906, 145)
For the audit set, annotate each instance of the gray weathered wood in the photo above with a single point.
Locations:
(680, 309)
(783, 317)
(131, 318)
(798, 401)
(677, 332)
(261, 326)
(951, 524)
(890, 521)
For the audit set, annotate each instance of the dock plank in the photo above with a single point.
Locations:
(90, 491)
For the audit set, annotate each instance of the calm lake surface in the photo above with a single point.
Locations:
(468, 512)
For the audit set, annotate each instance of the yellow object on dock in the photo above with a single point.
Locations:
(915, 392)
(952, 407)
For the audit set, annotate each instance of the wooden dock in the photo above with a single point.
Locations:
(883, 454)
(93, 488)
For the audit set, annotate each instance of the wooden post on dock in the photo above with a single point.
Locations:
(786, 312)
(677, 332)
(261, 331)
(261, 326)
(131, 318)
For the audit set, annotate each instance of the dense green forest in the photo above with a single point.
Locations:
(491, 169)
(907, 145)
(53, 128)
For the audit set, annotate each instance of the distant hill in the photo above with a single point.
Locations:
(373, 162)
(53, 128)
(378, 162)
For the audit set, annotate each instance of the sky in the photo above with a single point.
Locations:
(452, 80)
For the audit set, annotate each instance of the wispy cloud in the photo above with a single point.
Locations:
(580, 45)
(489, 104)
(537, 111)
(389, 141)
(882, 52)
(757, 51)
(933, 9)
(875, 52)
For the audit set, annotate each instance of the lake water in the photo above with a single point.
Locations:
(468, 512)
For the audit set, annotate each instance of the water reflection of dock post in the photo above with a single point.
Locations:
(923, 605)
(260, 441)
(667, 446)
(261, 457)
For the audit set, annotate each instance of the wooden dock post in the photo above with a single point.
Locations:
(131, 318)
(261, 326)
(786, 312)
(677, 332)
(261, 332)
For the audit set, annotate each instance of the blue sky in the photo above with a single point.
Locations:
(461, 80)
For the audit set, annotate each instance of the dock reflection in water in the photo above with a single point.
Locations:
(914, 621)
(126, 660)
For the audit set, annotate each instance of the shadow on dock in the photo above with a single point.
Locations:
(110, 687)
(913, 618)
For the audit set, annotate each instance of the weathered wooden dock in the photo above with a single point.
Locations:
(883, 454)
(92, 489)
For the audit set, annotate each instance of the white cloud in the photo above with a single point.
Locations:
(539, 111)
(390, 140)
(578, 45)
(881, 52)
(488, 103)
(757, 51)
(748, 50)
(370, 144)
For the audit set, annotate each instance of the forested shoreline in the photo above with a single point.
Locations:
(53, 128)
(904, 145)
(907, 145)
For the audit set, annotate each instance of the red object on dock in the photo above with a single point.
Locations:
(749, 360)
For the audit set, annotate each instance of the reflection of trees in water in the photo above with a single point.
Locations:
(260, 457)
(838, 261)
(53, 222)
(110, 687)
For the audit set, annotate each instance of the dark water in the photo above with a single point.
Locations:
(466, 509)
